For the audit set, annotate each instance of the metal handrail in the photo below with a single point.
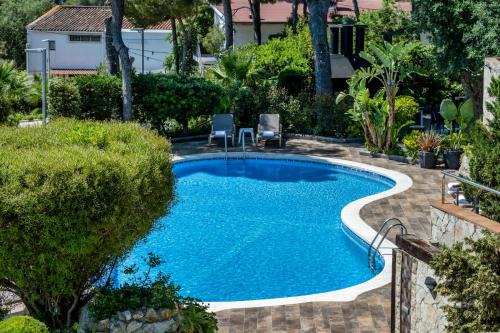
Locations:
(397, 223)
(466, 181)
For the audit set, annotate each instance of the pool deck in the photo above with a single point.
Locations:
(370, 312)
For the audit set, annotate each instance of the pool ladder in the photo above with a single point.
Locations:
(387, 226)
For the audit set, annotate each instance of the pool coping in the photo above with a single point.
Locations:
(350, 216)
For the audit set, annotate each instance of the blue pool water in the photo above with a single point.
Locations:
(257, 229)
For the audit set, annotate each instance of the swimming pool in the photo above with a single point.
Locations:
(262, 229)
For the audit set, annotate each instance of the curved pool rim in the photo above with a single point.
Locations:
(350, 216)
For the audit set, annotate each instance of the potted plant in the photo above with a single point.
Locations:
(463, 116)
(428, 142)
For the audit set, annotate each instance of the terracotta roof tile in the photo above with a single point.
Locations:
(81, 18)
(279, 12)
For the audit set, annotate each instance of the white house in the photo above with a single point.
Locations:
(79, 41)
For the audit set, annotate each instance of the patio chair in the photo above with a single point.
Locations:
(222, 127)
(269, 127)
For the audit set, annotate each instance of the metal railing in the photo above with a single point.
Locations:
(475, 203)
(395, 223)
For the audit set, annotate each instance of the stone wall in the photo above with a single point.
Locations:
(138, 321)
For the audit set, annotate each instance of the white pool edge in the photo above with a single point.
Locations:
(350, 217)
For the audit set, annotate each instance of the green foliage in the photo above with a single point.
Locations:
(194, 318)
(390, 18)
(411, 146)
(233, 70)
(470, 279)
(16, 15)
(64, 99)
(463, 115)
(140, 292)
(15, 88)
(96, 97)
(213, 42)
(159, 97)
(75, 197)
(463, 31)
(406, 109)
(429, 141)
(293, 80)
(485, 159)
(22, 324)
(295, 116)
(332, 119)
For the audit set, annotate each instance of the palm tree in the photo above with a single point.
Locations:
(389, 68)
(14, 87)
(233, 70)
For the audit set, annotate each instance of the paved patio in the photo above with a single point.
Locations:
(370, 312)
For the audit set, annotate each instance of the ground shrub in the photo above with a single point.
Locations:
(75, 197)
(332, 118)
(293, 80)
(469, 276)
(485, 159)
(159, 97)
(411, 146)
(22, 324)
(96, 97)
(64, 99)
(296, 116)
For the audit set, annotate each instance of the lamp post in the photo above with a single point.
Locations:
(51, 47)
(44, 81)
(141, 31)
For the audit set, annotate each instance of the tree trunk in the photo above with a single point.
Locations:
(322, 68)
(175, 46)
(228, 24)
(356, 8)
(112, 58)
(255, 9)
(117, 8)
(295, 15)
(473, 88)
(390, 120)
(304, 9)
(186, 41)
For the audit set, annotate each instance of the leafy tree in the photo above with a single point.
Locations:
(75, 197)
(16, 15)
(15, 87)
(470, 279)
(464, 33)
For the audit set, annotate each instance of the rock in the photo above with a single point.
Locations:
(151, 316)
(138, 315)
(118, 327)
(134, 326)
(160, 327)
(125, 316)
(102, 326)
(166, 314)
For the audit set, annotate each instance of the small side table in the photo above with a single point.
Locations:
(244, 131)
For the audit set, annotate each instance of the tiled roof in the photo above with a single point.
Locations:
(65, 72)
(81, 18)
(279, 12)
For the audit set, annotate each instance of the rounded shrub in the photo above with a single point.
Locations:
(75, 197)
(22, 324)
(64, 99)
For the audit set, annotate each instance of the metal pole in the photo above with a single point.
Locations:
(44, 87)
(142, 47)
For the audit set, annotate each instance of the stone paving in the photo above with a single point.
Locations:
(370, 312)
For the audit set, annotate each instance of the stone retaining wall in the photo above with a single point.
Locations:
(138, 321)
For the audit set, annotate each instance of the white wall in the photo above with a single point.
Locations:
(90, 55)
(243, 33)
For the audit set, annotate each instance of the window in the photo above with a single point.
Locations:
(84, 38)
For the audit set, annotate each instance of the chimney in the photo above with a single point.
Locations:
(347, 37)
(335, 39)
(360, 38)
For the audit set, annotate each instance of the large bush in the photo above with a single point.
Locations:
(470, 279)
(96, 97)
(75, 197)
(158, 98)
(15, 89)
(22, 324)
(485, 159)
(333, 120)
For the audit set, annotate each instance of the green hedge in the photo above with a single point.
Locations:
(74, 197)
(159, 97)
(22, 324)
(94, 97)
